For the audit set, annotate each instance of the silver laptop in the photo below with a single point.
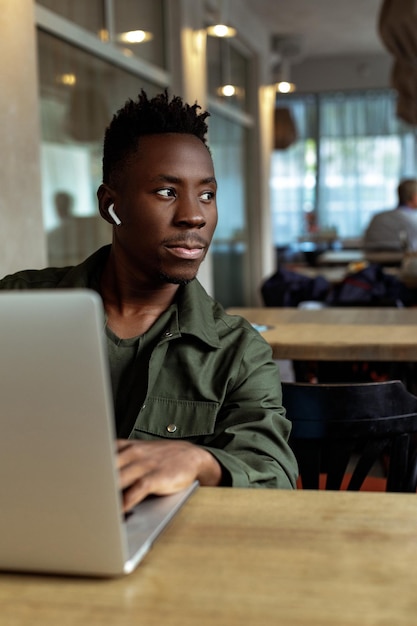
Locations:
(60, 503)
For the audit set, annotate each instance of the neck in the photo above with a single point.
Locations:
(132, 307)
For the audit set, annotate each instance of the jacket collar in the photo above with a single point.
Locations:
(87, 274)
(196, 313)
(195, 308)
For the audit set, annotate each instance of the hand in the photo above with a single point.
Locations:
(162, 468)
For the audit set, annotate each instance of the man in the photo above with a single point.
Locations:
(196, 393)
(395, 229)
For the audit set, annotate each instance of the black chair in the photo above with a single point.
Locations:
(343, 428)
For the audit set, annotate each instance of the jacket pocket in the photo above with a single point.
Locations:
(176, 419)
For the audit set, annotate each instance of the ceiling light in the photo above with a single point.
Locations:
(135, 36)
(227, 90)
(281, 77)
(67, 79)
(221, 30)
(285, 87)
(284, 51)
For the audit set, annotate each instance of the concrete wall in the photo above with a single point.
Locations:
(22, 240)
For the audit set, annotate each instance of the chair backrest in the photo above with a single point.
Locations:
(336, 424)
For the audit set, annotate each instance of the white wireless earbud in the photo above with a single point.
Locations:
(113, 215)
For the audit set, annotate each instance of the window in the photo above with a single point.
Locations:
(227, 67)
(79, 92)
(229, 127)
(229, 247)
(350, 154)
(89, 15)
(135, 26)
(145, 16)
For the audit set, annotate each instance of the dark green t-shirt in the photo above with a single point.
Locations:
(129, 364)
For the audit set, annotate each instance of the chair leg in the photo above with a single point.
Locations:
(411, 481)
(371, 453)
(308, 457)
(398, 464)
(337, 458)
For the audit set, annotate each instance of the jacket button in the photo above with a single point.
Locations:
(167, 333)
(171, 428)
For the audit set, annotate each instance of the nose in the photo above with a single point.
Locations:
(189, 213)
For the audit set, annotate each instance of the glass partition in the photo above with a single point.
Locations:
(227, 141)
(89, 15)
(351, 151)
(139, 29)
(134, 26)
(227, 73)
(78, 95)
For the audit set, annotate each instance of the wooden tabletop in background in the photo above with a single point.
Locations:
(337, 334)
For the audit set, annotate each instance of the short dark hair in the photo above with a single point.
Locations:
(146, 116)
(406, 190)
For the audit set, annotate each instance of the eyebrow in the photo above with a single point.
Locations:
(166, 178)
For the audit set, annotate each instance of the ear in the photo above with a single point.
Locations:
(106, 197)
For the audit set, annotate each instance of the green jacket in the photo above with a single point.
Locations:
(211, 381)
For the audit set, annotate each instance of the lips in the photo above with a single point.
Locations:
(186, 250)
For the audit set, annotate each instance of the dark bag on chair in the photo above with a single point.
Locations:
(286, 288)
(370, 286)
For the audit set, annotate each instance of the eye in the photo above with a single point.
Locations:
(206, 196)
(166, 192)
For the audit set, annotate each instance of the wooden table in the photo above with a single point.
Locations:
(237, 557)
(340, 257)
(345, 256)
(333, 275)
(386, 257)
(337, 334)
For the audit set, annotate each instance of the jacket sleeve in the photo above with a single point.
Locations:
(251, 436)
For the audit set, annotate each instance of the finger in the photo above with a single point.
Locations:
(130, 473)
(149, 484)
(122, 444)
(126, 453)
(134, 494)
